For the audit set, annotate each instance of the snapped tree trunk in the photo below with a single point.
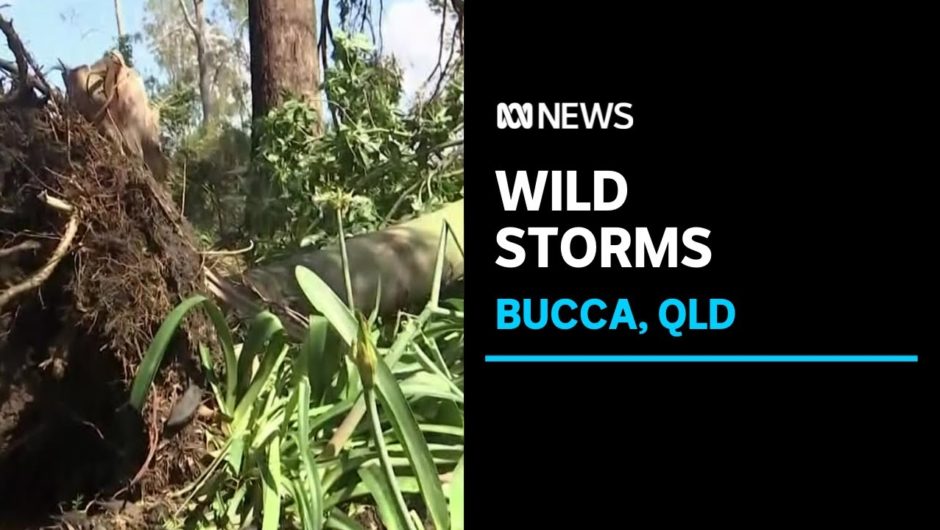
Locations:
(198, 27)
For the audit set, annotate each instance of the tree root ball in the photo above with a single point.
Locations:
(93, 257)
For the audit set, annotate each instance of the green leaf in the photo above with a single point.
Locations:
(235, 453)
(228, 351)
(339, 521)
(327, 302)
(378, 301)
(302, 504)
(406, 484)
(154, 356)
(313, 490)
(416, 447)
(425, 384)
(455, 303)
(273, 356)
(314, 352)
(263, 326)
(456, 497)
(235, 503)
(439, 267)
(271, 479)
(333, 413)
(376, 482)
(206, 357)
(446, 429)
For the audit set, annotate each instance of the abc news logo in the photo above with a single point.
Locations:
(564, 116)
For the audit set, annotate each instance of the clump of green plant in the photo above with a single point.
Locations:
(209, 164)
(389, 163)
(315, 422)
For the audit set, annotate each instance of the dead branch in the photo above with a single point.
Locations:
(187, 18)
(22, 67)
(24, 61)
(440, 49)
(446, 69)
(246, 307)
(458, 8)
(32, 81)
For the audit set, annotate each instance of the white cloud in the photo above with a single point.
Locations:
(411, 33)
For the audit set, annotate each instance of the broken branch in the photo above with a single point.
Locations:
(22, 67)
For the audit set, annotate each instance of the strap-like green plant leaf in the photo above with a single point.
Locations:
(271, 477)
(273, 356)
(456, 497)
(154, 356)
(314, 493)
(263, 326)
(224, 335)
(339, 521)
(416, 447)
(439, 267)
(314, 352)
(206, 356)
(381, 490)
(406, 484)
(322, 297)
(303, 503)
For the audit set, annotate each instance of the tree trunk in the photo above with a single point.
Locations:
(198, 27)
(119, 18)
(203, 61)
(282, 34)
(402, 257)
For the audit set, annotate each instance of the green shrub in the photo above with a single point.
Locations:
(387, 164)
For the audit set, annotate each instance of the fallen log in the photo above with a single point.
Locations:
(93, 256)
(398, 261)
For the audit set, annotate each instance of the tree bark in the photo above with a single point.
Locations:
(198, 27)
(282, 35)
(119, 18)
(402, 258)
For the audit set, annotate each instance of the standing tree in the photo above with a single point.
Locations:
(198, 28)
(218, 74)
(119, 18)
(283, 40)
(123, 40)
(282, 35)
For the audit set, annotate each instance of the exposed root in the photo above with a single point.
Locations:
(251, 245)
(20, 247)
(105, 256)
(43, 274)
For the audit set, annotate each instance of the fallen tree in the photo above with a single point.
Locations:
(93, 256)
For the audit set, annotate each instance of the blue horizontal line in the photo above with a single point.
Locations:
(701, 358)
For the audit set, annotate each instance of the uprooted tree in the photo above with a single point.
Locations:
(93, 255)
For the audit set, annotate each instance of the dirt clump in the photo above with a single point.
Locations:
(93, 257)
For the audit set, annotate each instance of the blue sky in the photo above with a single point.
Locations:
(79, 31)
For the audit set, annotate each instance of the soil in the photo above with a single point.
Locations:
(71, 341)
